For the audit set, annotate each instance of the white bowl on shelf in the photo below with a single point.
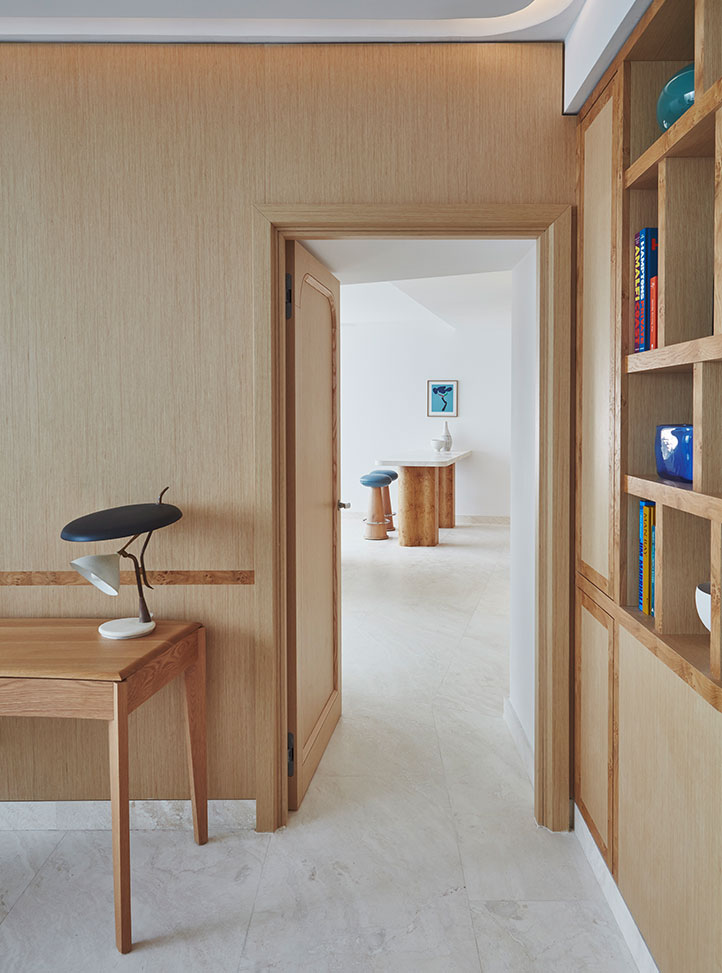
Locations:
(703, 601)
(438, 444)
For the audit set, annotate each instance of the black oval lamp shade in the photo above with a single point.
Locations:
(107, 525)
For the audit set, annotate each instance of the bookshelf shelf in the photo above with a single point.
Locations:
(680, 357)
(681, 497)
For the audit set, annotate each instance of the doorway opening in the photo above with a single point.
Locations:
(551, 227)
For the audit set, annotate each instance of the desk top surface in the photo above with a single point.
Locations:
(72, 648)
(424, 457)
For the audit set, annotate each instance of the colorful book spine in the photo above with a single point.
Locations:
(653, 312)
(641, 556)
(638, 323)
(646, 557)
(651, 567)
(642, 289)
(648, 260)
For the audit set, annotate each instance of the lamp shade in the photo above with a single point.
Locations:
(102, 570)
(107, 525)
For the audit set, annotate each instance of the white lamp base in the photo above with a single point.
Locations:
(125, 628)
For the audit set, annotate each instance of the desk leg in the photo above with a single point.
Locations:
(447, 498)
(418, 506)
(120, 809)
(195, 721)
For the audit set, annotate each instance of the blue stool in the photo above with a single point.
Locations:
(388, 512)
(375, 529)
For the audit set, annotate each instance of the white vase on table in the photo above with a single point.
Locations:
(448, 441)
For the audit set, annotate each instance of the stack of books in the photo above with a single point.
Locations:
(645, 289)
(646, 556)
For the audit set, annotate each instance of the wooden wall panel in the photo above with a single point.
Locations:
(670, 793)
(128, 177)
(596, 331)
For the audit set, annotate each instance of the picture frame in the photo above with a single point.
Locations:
(442, 404)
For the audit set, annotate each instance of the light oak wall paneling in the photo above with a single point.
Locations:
(593, 725)
(44, 760)
(707, 463)
(666, 31)
(647, 78)
(708, 45)
(595, 344)
(682, 560)
(686, 249)
(715, 635)
(653, 399)
(670, 792)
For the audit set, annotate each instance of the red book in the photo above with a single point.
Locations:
(653, 312)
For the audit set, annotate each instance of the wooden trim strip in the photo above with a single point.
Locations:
(54, 578)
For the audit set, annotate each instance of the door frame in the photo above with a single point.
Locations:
(551, 225)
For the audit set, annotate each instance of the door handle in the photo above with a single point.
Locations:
(343, 506)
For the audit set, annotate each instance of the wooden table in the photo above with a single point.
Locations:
(62, 667)
(427, 494)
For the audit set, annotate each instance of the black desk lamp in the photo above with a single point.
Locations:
(103, 570)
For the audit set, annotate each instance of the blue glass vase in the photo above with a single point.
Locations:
(673, 449)
(676, 97)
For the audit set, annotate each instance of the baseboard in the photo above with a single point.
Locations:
(521, 741)
(469, 519)
(628, 927)
(144, 815)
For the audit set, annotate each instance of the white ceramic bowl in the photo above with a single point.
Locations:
(703, 601)
(438, 444)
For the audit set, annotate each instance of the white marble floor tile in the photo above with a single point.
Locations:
(549, 937)
(22, 853)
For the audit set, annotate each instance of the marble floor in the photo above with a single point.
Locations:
(415, 849)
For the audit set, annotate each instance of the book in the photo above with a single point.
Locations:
(638, 325)
(646, 556)
(653, 312)
(648, 264)
(642, 290)
(651, 567)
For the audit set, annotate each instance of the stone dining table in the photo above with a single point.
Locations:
(427, 493)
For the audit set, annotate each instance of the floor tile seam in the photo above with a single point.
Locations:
(37, 871)
(255, 900)
(455, 832)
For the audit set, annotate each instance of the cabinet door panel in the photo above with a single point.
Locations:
(593, 721)
(596, 328)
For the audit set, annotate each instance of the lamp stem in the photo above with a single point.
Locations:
(143, 613)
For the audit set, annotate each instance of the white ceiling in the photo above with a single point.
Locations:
(370, 261)
(287, 21)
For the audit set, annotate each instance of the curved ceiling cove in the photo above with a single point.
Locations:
(267, 9)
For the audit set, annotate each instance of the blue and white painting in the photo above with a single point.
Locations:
(442, 398)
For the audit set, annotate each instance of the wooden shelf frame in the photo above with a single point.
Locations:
(681, 356)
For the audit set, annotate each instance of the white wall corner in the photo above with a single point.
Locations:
(594, 40)
(628, 927)
(521, 740)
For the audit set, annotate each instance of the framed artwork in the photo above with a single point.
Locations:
(442, 398)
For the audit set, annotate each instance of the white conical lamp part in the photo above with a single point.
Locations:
(102, 570)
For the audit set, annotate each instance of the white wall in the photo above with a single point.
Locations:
(592, 44)
(396, 336)
(524, 478)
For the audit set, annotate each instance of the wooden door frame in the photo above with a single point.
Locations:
(552, 226)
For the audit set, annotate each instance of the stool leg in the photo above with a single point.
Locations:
(388, 512)
(120, 810)
(376, 520)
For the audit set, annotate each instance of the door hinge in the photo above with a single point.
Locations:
(289, 296)
(291, 755)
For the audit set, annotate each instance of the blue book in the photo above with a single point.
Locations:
(651, 610)
(641, 554)
(648, 265)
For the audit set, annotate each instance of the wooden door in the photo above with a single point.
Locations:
(314, 637)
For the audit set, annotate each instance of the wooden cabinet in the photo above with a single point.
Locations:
(594, 691)
(596, 327)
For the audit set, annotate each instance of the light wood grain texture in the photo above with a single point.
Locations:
(63, 698)
(314, 640)
(375, 527)
(653, 399)
(554, 547)
(707, 460)
(388, 509)
(158, 672)
(686, 249)
(447, 496)
(120, 812)
(678, 357)
(595, 352)
(593, 708)
(195, 727)
(647, 80)
(418, 506)
(670, 786)
(718, 223)
(682, 560)
(652, 488)
(715, 635)
(708, 45)
(53, 578)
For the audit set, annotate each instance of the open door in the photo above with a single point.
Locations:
(314, 551)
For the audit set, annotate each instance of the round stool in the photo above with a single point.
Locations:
(388, 512)
(375, 529)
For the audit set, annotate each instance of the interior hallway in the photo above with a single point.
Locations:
(415, 848)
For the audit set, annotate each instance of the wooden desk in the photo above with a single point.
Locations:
(62, 667)
(427, 494)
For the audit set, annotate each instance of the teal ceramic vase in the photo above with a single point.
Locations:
(676, 97)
